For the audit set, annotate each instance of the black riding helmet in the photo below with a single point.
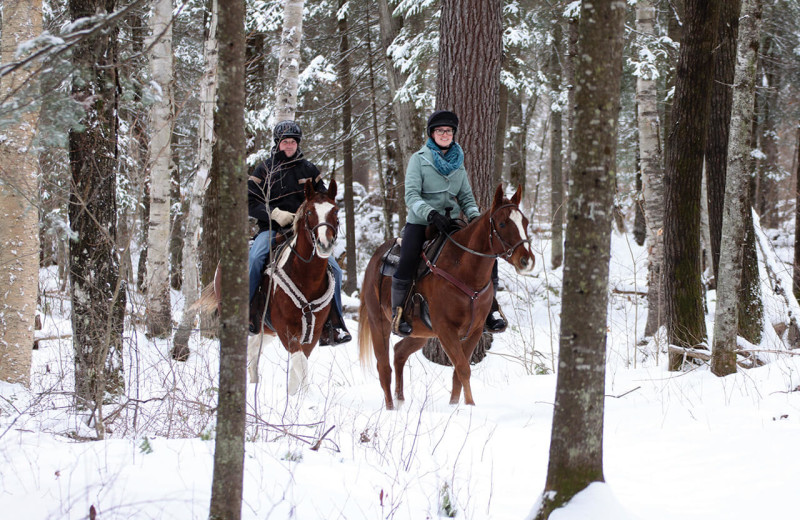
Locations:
(442, 118)
(286, 129)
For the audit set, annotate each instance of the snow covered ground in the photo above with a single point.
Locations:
(684, 445)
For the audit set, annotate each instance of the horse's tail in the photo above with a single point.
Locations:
(364, 332)
(208, 301)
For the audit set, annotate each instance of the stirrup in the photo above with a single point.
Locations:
(495, 322)
(400, 326)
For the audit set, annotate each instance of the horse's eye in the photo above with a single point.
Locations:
(502, 225)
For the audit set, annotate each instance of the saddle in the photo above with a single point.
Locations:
(261, 298)
(415, 302)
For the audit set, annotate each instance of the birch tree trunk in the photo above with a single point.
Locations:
(576, 441)
(228, 475)
(205, 142)
(159, 309)
(726, 326)
(650, 161)
(289, 61)
(19, 199)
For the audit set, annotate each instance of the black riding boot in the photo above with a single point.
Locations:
(334, 332)
(496, 320)
(400, 289)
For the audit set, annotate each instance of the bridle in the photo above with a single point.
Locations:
(508, 250)
(312, 237)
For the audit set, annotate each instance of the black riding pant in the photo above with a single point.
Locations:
(410, 249)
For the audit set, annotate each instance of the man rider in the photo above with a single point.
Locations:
(274, 193)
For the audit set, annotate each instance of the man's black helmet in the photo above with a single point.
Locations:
(442, 118)
(286, 129)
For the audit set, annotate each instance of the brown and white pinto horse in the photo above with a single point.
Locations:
(299, 286)
(458, 292)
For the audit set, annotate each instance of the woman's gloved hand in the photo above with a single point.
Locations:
(282, 217)
(442, 223)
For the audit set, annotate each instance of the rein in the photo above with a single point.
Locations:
(509, 249)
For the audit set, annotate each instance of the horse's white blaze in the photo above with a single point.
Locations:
(298, 371)
(326, 246)
(516, 218)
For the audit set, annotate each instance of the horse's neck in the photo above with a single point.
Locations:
(467, 265)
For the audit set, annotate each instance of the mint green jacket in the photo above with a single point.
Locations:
(428, 190)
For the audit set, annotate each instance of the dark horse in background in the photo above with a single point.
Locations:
(458, 292)
(298, 286)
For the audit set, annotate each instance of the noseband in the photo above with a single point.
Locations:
(313, 237)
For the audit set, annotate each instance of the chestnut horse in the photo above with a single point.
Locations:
(298, 284)
(458, 291)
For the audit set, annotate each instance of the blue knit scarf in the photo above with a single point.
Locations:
(449, 162)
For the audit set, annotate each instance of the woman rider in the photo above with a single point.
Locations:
(435, 180)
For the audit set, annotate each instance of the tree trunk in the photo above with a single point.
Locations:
(343, 69)
(769, 173)
(98, 293)
(178, 208)
(404, 112)
(556, 172)
(470, 52)
(159, 309)
(683, 288)
(517, 141)
(720, 121)
(228, 475)
(209, 252)
(19, 199)
(576, 442)
(796, 268)
(289, 61)
(653, 177)
(500, 138)
(205, 141)
(737, 196)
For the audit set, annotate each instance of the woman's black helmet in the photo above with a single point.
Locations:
(286, 129)
(442, 118)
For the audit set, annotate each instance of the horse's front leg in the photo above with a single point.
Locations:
(460, 353)
(254, 345)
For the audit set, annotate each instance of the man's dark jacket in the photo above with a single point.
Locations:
(277, 182)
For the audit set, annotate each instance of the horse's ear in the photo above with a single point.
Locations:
(498, 196)
(332, 189)
(308, 187)
(517, 196)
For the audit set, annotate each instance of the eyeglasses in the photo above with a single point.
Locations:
(443, 131)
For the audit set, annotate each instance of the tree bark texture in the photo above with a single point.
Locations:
(737, 195)
(683, 289)
(796, 267)
(404, 112)
(470, 52)
(556, 145)
(289, 61)
(500, 136)
(650, 161)
(720, 121)
(98, 293)
(343, 69)
(205, 138)
(159, 309)
(228, 474)
(19, 198)
(576, 443)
